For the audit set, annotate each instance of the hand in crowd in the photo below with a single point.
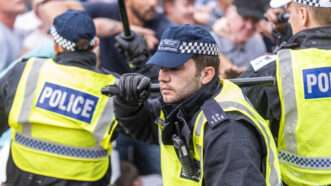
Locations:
(229, 70)
(148, 34)
(221, 27)
(271, 22)
(134, 48)
(107, 27)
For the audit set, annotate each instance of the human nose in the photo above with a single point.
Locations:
(163, 75)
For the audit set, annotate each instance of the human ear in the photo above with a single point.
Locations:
(304, 17)
(207, 74)
(57, 48)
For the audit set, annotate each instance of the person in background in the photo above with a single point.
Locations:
(129, 175)
(143, 17)
(10, 38)
(207, 12)
(298, 104)
(236, 34)
(179, 11)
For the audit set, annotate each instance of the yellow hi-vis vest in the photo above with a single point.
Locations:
(304, 86)
(230, 99)
(61, 123)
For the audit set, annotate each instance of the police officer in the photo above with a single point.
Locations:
(208, 133)
(61, 123)
(298, 106)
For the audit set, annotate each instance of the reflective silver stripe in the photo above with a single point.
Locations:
(304, 162)
(289, 99)
(199, 124)
(197, 133)
(10, 67)
(88, 153)
(274, 177)
(106, 118)
(30, 86)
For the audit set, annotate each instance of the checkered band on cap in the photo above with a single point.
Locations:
(315, 3)
(199, 48)
(65, 43)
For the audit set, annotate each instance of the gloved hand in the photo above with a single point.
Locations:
(134, 89)
(135, 49)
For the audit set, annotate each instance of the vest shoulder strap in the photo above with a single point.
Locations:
(214, 113)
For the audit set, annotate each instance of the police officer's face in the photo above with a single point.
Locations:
(295, 19)
(179, 83)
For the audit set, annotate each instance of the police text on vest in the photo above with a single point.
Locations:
(66, 101)
(317, 82)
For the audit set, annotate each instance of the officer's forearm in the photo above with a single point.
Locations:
(140, 125)
(107, 27)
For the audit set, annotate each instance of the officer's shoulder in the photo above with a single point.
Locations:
(262, 62)
(26, 59)
(216, 116)
(214, 113)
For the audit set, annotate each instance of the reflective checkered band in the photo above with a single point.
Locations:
(64, 43)
(314, 3)
(304, 162)
(199, 48)
(60, 149)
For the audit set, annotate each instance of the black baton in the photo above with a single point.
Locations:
(124, 18)
(241, 82)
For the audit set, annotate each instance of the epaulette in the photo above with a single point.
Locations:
(262, 61)
(213, 112)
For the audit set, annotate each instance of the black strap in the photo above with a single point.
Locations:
(213, 112)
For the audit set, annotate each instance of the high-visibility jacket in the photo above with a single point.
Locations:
(304, 86)
(61, 123)
(230, 99)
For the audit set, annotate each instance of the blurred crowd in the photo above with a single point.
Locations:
(243, 29)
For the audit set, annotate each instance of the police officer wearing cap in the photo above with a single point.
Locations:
(61, 123)
(208, 133)
(298, 106)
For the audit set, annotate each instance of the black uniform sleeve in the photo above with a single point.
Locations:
(233, 155)
(8, 86)
(265, 99)
(101, 9)
(139, 123)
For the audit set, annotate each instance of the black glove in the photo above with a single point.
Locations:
(134, 89)
(134, 48)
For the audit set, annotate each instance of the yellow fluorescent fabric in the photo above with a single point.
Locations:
(231, 100)
(62, 124)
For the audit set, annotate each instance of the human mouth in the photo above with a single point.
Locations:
(166, 90)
